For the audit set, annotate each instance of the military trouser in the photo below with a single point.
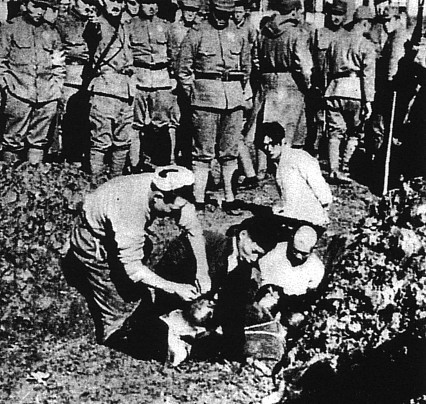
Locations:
(111, 129)
(27, 124)
(344, 122)
(154, 108)
(215, 131)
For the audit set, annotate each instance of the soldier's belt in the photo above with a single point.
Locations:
(345, 74)
(151, 66)
(226, 76)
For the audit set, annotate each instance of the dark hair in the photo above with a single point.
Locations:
(263, 230)
(272, 129)
(184, 192)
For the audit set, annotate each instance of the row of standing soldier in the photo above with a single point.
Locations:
(129, 76)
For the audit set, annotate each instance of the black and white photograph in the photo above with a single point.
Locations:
(213, 201)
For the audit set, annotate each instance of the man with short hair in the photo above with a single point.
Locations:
(108, 78)
(154, 107)
(32, 71)
(350, 92)
(213, 69)
(286, 68)
(305, 195)
(292, 265)
(107, 260)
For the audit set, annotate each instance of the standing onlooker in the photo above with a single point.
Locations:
(109, 71)
(180, 28)
(74, 105)
(334, 20)
(154, 107)
(350, 92)
(32, 70)
(213, 68)
(386, 70)
(286, 68)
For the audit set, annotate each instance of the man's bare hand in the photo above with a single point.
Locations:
(186, 292)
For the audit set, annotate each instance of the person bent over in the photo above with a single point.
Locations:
(232, 262)
(107, 260)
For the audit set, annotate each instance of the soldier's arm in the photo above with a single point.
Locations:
(303, 63)
(172, 50)
(4, 53)
(397, 52)
(185, 68)
(58, 56)
(368, 72)
(246, 60)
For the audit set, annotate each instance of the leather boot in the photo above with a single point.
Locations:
(35, 156)
(97, 164)
(118, 162)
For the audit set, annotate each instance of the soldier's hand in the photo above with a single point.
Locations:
(58, 58)
(173, 83)
(367, 110)
(186, 292)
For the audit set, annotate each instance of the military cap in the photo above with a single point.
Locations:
(338, 7)
(240, 3)
(48, 3)
(388, 13)
(363, 13)
(190, 4)
(172, 177)
(223, 5)
(287, 6)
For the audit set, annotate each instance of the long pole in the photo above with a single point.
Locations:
(389, 145)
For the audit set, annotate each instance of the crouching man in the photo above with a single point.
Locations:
(292, 273)
(107, 260)
(233, 261)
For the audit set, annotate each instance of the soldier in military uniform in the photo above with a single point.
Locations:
(74, 104)
(32, 70)
(386, 70)
(154, 107)
(109, 82)
(351, 61)
(334, 20)
(213, 68)
(286, 68)
(180, 28)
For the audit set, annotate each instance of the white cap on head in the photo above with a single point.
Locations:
(305, 238)
(169, 178)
